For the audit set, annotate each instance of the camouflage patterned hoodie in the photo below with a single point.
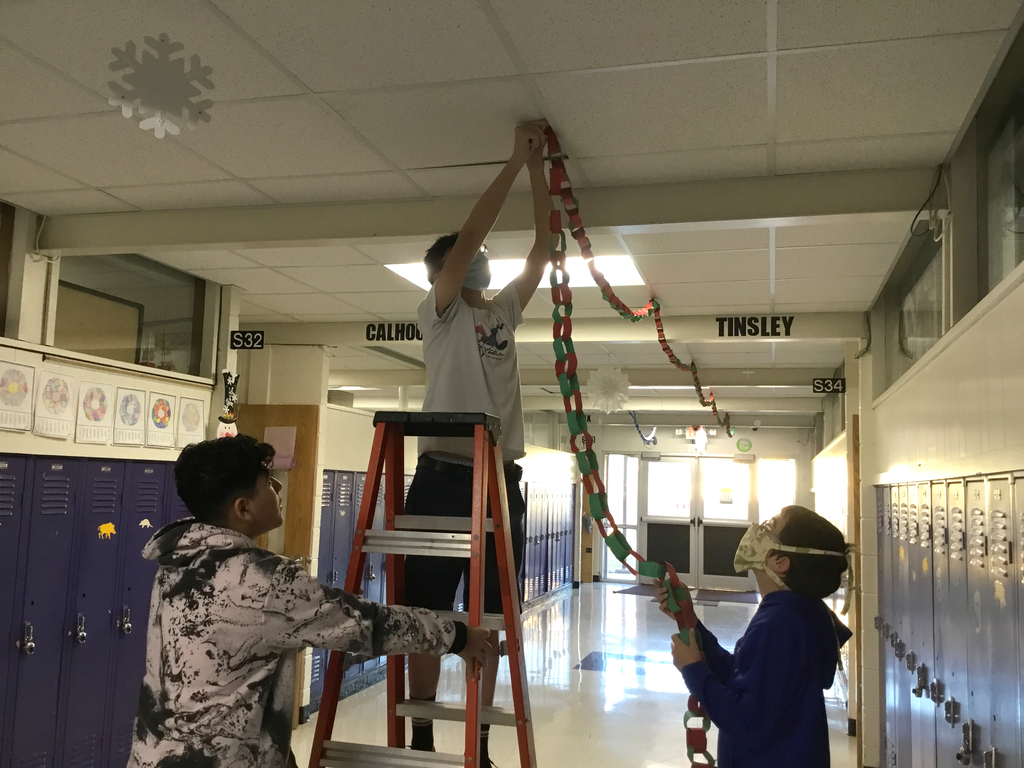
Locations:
(226, 621)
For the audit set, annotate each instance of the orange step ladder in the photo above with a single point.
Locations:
(440, 537)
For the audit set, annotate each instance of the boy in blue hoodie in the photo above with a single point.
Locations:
(767, 698)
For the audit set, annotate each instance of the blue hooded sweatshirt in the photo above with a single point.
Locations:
(767, 698)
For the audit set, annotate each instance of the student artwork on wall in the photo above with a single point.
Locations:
(16, 383)
(129, 424)
(191, 422)
(160, 420)
(96, 406)
(55, 404)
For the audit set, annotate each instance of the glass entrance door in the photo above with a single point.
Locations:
(622, 479)
(668, 523)
(726, 513)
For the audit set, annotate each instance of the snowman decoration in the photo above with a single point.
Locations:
(227, 427)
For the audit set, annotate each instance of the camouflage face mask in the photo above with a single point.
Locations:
(759, 541)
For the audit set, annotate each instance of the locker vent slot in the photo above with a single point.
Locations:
(999, 544)
(325, 494)
(83, 754)
(939, 532)
(344, 495)
(147, 497)
(956, 533)
(36, 760)
(104, 495)
(924, 526)
(56, 494)
(976, 539)
(8, 490)
(912, 524)
(904, 522)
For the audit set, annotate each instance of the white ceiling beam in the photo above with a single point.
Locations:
(739, 405)
(777, 199)
(819, 326)
(665, 376)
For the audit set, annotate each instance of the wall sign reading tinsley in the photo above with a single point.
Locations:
(755, 325)
(393, 332)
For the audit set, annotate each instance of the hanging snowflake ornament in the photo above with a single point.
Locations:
(159, 88)
(608, 388)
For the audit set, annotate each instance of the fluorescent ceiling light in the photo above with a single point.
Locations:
(618, 270)
(348, 388)
(673, 386)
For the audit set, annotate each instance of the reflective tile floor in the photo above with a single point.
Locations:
(602, 688)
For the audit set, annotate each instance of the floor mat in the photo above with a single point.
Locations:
(647, 590)
(725, 596)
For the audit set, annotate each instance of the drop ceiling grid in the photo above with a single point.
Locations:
(255, 57)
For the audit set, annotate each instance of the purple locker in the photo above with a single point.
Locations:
(40, 618)
(325, 574)
(374, 577)
(90, 623)
(175, 508)
(145, 502)
(344, 515)
(13, 483)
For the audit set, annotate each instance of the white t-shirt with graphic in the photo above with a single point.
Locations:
(472, 367)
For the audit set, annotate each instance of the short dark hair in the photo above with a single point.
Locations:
(211, 474)
(814, 575)
(434, 259)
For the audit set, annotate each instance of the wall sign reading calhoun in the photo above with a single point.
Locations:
(393, 332)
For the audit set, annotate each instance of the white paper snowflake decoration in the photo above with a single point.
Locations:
(159, 86)
(608, 388)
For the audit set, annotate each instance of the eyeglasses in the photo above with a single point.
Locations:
(275, 484)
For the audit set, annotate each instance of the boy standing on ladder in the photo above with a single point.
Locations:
(470, 353)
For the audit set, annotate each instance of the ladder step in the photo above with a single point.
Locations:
(417, 543)
(455, 712)
(337, 754)
(431, 523)
(493, 621)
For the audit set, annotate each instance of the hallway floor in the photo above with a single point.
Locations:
(602, 687)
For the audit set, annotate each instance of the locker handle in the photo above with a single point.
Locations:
(373, 576)
(125, 622)
(27, 644)
(80, 635)
(965, 754)
(990, 758)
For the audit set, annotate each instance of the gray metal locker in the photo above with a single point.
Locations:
(920, 658)
(901, 703)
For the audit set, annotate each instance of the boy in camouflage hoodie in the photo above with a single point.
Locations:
(227, 620)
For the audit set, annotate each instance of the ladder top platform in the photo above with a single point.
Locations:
(435, 424)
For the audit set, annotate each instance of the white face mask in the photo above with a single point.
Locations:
(478, 278)
(759, 541)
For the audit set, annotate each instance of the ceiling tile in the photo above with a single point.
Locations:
(341, 187)
(336, 317)
(281, 137)
(607, 33)
(811, 23)
(255, 281)
(910, 86)
(731, 346)
(196, 194)
(33, 90)
(835, 260)
(401, 252)
(662, 109)
(348, 279)
(725, 307)
(54, 30)
(19, 175)
(376, 363)
(667, 167)
(192, 260)
(704, 267)
(68, 202)
(302, 304)
(334, 46)
(732, 360)
(385, 304)
(908, 151)
(313, 256)
(847, 289)
(106, 151)
(471, 180)
(737, 292)
(873, 228)
(698, 241)
(818, 306)
(252, 313)
(439, 125)
(786, 354)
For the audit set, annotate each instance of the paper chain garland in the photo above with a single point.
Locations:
(650, 439)
(679, 601)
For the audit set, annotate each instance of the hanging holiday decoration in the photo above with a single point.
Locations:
(566, 363)
(700, 439)
(608, 389)
(648, 439)
(158, 88)
(227, 427)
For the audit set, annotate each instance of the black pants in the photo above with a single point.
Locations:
(446, 490)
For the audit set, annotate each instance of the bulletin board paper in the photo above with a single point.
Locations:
(96, 406)
(16, 387)
(160, 418)
(129, 421)
(191, 422)
(55, 404)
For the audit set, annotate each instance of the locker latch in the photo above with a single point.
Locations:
(936, 692)
(372, 574)
(990, 758)
(922, 681)
(966, 751)
(878, 623)
(27, 644)
(125, 622)
(952, 712)
(80, 635)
